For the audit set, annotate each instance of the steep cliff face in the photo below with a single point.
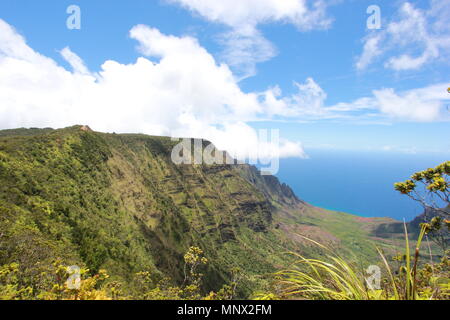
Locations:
(270, 186)
(414, 226)
(119, 202)
(427, 216)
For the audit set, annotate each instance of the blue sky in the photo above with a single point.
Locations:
(316, 74)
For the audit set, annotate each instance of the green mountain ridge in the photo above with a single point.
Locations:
(118, 202)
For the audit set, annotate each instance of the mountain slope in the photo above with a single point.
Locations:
(118, 202)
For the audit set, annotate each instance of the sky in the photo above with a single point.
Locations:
(327, 74)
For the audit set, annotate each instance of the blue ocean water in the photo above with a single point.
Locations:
(360, 183)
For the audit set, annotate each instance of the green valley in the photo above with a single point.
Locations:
(116, 202)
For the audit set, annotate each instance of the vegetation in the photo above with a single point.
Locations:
(117, 202)
(56, 284)
(134, 222)
(431, 188)
(337, 279)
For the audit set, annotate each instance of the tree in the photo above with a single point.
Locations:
(193, 259)
(431, 188)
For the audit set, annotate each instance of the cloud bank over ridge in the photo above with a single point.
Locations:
(177, 88)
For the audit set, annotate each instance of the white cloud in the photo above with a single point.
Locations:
(417, 105)
(243, 50)
(423, 105)
(415, 38)
(370, 52)
(307, 102)
(177, 90)
(385, 105)
(306, 15)
(184, 92)
(75, 61)
(310, 96)
(244, 44)
(401, 149)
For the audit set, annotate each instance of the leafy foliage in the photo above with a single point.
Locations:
(337, 279)
(435, 186)
(118, 203)
(431, 188)
(57, 285)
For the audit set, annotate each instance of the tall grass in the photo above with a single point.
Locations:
(336, 279)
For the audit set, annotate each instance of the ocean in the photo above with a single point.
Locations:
(359, 183)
